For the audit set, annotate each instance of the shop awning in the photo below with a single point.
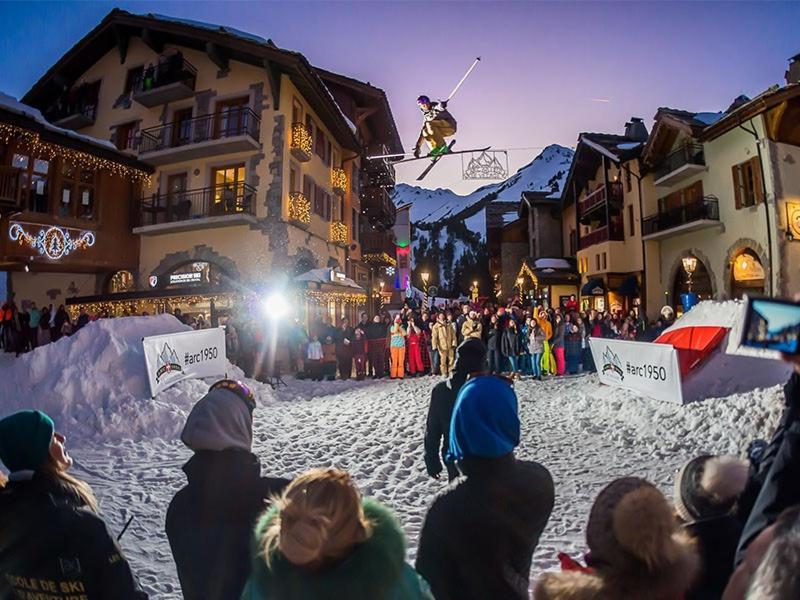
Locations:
(330, 285)
(629, 287)
(594, 287)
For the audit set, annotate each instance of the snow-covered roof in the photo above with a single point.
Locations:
(324, 276)
(11, 104)
(709, 118)
(211, 26)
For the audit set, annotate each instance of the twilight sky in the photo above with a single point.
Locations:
(549, 70)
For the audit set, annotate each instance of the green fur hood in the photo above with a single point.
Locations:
(376, 568)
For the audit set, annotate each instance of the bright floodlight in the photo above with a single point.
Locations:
(275, 306)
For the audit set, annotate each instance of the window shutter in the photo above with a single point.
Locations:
(736, 171)
(308, 188)
(758, 182)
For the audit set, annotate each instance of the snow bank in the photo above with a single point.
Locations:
(94, 383)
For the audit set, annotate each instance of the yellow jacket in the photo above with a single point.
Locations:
(546, 327)
(471, 329)
(443, 337)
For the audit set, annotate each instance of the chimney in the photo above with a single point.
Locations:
(635, 130)
(793, 72)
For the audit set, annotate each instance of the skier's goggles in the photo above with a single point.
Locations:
(503, 378)
(238, 388)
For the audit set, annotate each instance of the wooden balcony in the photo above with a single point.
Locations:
(301, 143)
(172, 79)
(299, 209)
(602, 234)
(592, 203)
(378, 248)
(338, 233)
(202, 137)
(75, 117)
(339, 181)
(203, 208)
(10, 189)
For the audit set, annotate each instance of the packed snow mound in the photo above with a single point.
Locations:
(94, 384)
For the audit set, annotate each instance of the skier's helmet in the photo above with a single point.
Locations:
(423, 100)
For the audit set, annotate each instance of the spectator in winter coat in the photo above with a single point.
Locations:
(397, 348)
(33, 324)
(460, 320)
(536, 342)
(706, 490)
(510, 346)
(573, 344)
(637, 550)
(548, 360)
(775, 486)
(321, 539)
(329, 359)
(443, 341)
(493, 339)
(51, 538)
(480, 534)
(471, 327)
(471, 358)
(376, 339)
(413, 340)
(314, 357)
(211, 519)
(344, 349)
(60, 318)
(558, 345)
(360, 353)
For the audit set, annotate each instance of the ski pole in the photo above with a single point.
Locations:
(388, 155)
(124, 529)
(455, 89)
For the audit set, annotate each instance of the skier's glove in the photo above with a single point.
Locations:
(416, 152)
(443, 104)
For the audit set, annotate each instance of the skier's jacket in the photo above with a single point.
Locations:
(211, 520)
(480, 533)
(374, 570)
(53, 546)
(438, 112)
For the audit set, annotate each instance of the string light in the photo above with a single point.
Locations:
(378, 257)
(299, 208)
(318, 297)
(338, 233)
(53, 242)
(301, 140)
(31, 142)
(140, 305)
(338, 180)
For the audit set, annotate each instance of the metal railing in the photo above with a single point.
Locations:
(598, 197)
(80, 101)
(214, 201)
(214, 126)
(10, 187)
(705, 209)
(614, 233)
(689, 154)
(170, 70)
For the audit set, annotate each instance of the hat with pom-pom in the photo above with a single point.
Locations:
(709, 486)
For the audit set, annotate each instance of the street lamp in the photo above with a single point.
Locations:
(475, 291)
(689, 265)
(425, 277)
(381, 284)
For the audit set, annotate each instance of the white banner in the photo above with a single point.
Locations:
(648, 368)
(190, 354)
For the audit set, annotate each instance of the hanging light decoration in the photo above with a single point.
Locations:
(53, 242)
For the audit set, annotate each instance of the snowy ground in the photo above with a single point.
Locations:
(586, 434)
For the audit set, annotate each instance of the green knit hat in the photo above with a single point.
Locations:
(25, 440)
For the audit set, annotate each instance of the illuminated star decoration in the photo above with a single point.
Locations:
(53, 242)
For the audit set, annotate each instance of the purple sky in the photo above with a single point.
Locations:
(543, 63)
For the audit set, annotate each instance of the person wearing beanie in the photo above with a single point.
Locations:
(471, 357)
(397, 348)
(479, 535)
(49, 527)
(322, 541)
(706, 491)
(210, 520)
(637, 551)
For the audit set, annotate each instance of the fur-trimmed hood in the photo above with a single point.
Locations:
(631, 583)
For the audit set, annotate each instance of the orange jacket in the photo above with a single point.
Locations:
(546, 327)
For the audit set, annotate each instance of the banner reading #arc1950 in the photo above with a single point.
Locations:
(174, 357)
(651, 369)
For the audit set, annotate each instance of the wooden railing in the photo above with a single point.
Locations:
(603, 234)
(612, 191)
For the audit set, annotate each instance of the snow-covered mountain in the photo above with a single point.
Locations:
(450, 230)
(547, 172)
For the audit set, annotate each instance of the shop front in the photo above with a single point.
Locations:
(547, 282)
(328, 293)
(612, 292)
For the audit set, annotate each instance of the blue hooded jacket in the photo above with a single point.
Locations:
(485, 423)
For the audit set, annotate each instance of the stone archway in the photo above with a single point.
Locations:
(677, 269)
(201, 253)
(737, 248)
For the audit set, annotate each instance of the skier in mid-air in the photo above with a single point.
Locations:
(438, 124)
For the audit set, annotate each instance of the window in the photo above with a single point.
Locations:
(328, 150)
(77, 192)
(605, 263)
(126, 134)
(319, 143)
(310, 126)
(294, 177)
(232, 117)
(35, 181)
(308, 190)
(297, 111)
(354, 225)
(631, 229)
(628, 180)
(748, 188)
(133, 79)
(597, 261)
(228, 186)
(319, 201)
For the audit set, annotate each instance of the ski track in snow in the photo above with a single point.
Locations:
(585, 434)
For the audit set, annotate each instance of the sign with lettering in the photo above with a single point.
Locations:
(191, 277)
(189, 354)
